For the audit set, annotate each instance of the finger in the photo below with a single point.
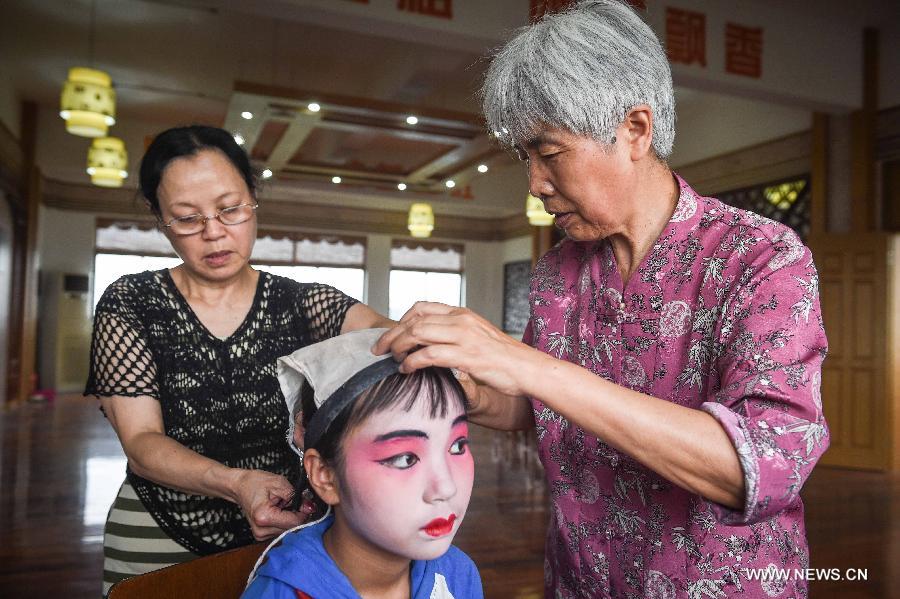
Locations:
(384, 343)
(469, 386)
(264, 534)
(435, 330)
(288, 519)
(425, 334)
(422, 309)
(400, 344)
(448, 356)
(418, 311)
(280, 503)
(281, 493)
(463, 377)
(261, 527)
(278, 519)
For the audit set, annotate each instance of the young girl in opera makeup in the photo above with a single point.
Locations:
(387, 454)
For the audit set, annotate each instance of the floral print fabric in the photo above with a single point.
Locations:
(722, 316)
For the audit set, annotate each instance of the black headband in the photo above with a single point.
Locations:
(344, 395)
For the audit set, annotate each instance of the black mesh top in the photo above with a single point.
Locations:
(218, 397)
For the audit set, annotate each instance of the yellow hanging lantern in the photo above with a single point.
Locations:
(88, 102)
(421, 220)
(534, 210)
(107, 162)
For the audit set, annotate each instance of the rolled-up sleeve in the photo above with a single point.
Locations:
(771, 347)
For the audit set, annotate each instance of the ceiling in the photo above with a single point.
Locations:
(183, 61)
(314, 136)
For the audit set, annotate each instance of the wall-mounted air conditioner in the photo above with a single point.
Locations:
(64, 325)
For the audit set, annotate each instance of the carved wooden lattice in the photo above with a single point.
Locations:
(785, 201)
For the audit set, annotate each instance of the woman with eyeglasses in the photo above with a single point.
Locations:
(183, 362)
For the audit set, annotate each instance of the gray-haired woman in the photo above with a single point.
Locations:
(672, 362)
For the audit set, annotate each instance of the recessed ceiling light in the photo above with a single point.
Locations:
(239, 139)
(335, 179)
(482, 168)
(401, 186)
(313, 107)
(247, 115)
(267, 173)
(450, 183)
(412, 120)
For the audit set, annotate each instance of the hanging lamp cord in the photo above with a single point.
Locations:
(91, 32)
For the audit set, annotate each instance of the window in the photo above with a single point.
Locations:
(109, 267)
(351, 281)
(338, 261)
(128, 248)
(123, 248)
(424, 271)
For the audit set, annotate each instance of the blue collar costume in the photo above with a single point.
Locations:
(299, 562)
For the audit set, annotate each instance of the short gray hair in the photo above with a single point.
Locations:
(581, 70)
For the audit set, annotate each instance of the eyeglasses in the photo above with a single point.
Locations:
(194, 223)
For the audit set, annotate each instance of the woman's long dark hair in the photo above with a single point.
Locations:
(436, 385)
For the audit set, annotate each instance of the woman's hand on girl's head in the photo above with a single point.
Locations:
(432, 334)
(263, 498)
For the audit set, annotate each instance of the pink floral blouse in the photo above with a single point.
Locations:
(722, 316)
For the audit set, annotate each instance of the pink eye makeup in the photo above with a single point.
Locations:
(391, 454)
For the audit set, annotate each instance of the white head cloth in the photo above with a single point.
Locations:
(327, 366)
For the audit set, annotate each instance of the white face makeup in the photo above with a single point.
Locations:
(407, 480)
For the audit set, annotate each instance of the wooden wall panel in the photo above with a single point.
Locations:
(859, 408)
(863, 333)
(863, 410)
(832, 388)
(831, 296)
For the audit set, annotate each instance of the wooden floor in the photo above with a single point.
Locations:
(60, 465)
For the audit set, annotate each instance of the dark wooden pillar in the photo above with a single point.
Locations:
(865, 211)
(23, 305)
(818, 211)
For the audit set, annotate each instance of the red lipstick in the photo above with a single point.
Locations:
(440, 526)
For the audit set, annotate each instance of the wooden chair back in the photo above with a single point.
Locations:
(219, 576)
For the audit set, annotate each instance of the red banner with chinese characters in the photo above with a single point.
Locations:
(442, 9)
(686, 36)
(743, 50)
